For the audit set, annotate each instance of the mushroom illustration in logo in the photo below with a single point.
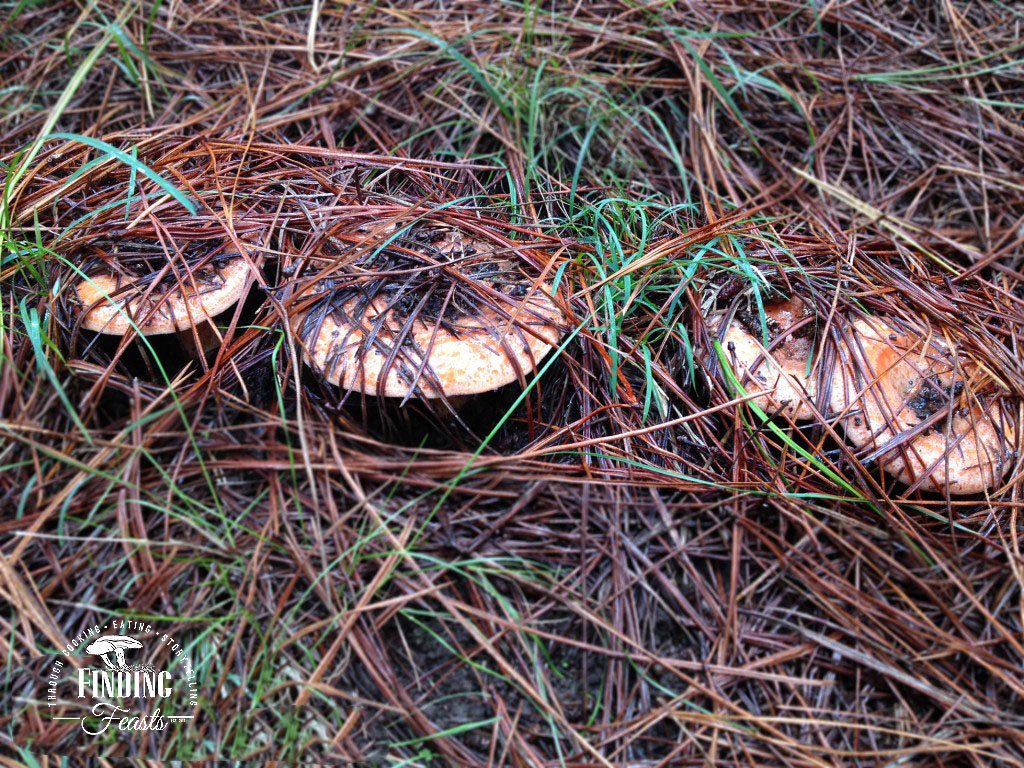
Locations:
(115, 644)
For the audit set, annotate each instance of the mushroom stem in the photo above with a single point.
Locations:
(459, 402)
(200, 339)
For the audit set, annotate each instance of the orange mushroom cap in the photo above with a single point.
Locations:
(782, 373)
(895, 388)
(135, 284)
(111, 304)
(370, 339)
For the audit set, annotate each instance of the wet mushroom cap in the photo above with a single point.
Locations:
(782, 373)
(434, 311)
(887, 384)
(971, 457)
(169, 307)
(467, 355)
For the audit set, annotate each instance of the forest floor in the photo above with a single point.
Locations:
(614, 561)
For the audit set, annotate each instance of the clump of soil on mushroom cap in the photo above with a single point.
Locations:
(895, 388)
(434, 312)
(779, 371)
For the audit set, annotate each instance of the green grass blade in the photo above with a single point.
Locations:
(813, 460)
(132, 163)
(469, 66)
(55, 113)
(30, 319)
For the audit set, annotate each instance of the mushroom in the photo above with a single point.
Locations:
(780, 372)
(420, 330)
(115, 644)
(159, 299)
(896, 390)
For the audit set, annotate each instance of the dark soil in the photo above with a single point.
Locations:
(452, 693)
(932, 397)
